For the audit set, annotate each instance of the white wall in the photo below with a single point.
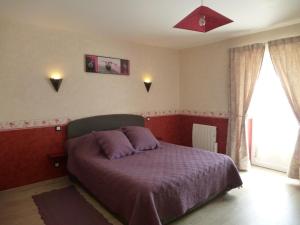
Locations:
(30, 53)
(204, 71)
(193, 79)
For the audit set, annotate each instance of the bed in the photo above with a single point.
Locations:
(152, 187)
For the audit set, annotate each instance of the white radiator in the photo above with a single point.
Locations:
(205, 137)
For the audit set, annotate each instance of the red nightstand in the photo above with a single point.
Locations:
(57, 158)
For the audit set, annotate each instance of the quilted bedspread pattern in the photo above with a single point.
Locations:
(151, 187)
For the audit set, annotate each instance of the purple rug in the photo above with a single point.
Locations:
(67, 207)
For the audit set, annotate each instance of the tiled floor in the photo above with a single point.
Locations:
(267, 198)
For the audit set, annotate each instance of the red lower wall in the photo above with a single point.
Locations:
(23, 153)
(23, 156)
(166, 128)
(186, 124)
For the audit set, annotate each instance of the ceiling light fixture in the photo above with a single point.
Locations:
(203, 19)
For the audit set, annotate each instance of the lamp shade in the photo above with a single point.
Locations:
(56, 83)
(148, 85)
(213, 20)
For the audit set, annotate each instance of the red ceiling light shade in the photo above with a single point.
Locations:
(203, 19)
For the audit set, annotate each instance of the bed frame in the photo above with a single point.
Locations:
(83, 126)
(86, 125)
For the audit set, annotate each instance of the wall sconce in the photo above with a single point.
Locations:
(56, 80)
(147, 82)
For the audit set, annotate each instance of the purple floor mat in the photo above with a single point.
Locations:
(67, 207)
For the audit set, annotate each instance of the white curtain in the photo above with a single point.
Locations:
(245, 64)
(285, 55)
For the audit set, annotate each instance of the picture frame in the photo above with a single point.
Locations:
(106, 65)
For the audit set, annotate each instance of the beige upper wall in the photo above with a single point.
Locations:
(204, 74)
(30, 53)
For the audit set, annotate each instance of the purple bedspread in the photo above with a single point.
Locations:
(151, 187)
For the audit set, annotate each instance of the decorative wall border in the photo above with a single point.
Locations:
(27, 124)
(205, 113)
(185, 112)
(159, 113)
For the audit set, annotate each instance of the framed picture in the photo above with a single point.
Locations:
(106, 65)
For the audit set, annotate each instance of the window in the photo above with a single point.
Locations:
(274, 126)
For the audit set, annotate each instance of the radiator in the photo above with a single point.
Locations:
(205, 137)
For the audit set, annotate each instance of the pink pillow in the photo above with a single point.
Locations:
(114, 144)
(141, 138)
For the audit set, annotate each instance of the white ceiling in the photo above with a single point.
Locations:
(151, 21)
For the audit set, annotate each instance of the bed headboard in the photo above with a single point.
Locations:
(83, 126)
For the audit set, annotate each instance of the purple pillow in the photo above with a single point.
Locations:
(114, 144)
(77, 142)
(141, 138)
